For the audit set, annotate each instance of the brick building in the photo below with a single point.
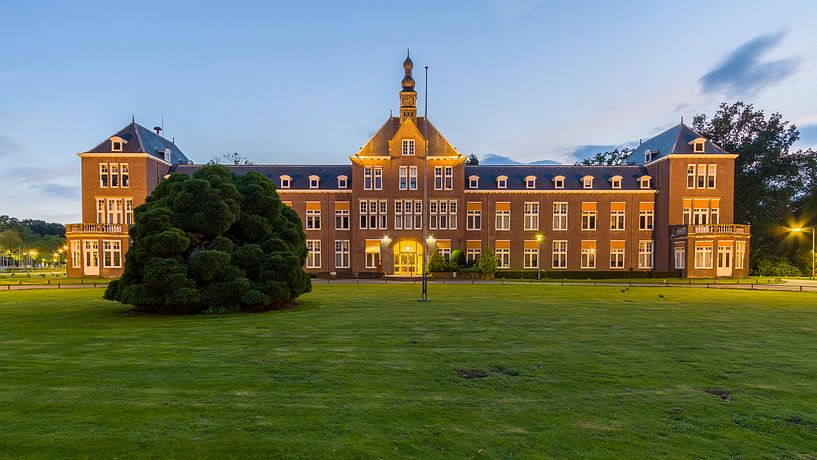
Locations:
(669, 207)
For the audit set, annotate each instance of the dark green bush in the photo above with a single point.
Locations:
(776, 267)
(436, 263)
(457, 259)
(215, 242)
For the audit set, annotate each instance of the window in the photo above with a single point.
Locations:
(313, 216)
(114, 175)
(438, 178)
(449, 177)
(442, 214)
(167, 155)
(313, 253)
(691, 176)
(699, 146)
(711, 173)
(114, 211)
(125, 173)
(343, 181)
(103, 175)
(559, 182)
(503, 216)
(111, 253)
(129, 211)
(367, 178)
(530, 182)
(408, 147)
(617, 254)
(403, 177)
(615, 182)
(703, 255)
(286, 181)
(701, 182)
(559, 216)
(687, 215)
(100, 210)
(372, 253)
(587, 182)
(341, 253)
(531, 255)
(412, 177)
(560, 254)
(502, 182)
(589, 214)
(314, 181)
(76, 254)
(408, 214)
(680, 255)
(373, 214)
(531, 216)
(740, 254)
(648, 156)
(617, 216)
(646, 216)
(473, 219)
(116, 145)
(443, 177)
(473, 181)
(342, 215)
(378, 177)
(472, 251)
(700, 216)
(645, 254)
(588, 254)
(503, 254)
(645, 182)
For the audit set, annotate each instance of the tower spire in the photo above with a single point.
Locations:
(408, 96)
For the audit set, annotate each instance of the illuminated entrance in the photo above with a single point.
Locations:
(408, 257)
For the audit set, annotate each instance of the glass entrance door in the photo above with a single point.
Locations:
(91, 256)
(724, 261)
(406, 263)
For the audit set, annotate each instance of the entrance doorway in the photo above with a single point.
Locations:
(408, 258)
(724, 260)
(90, 257)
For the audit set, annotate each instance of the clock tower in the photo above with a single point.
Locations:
(408, 96)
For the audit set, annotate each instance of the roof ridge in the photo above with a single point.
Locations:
(136, 127)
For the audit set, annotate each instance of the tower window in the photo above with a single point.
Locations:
(408, 147)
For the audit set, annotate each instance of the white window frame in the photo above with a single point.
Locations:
(313, 254)
(530, 258)
(413, 173)
(473, 219)
(503, 219)
(617, 258)
(645, 182)
(438, 178)
(129, 211)
(618, 220)
(646, 220)
(502, 182)
(111, 254)
(114, 168)
(615, 183)
(378, 177)
(403, 176)
(531, 215)
(368, 179)
(680, 256)
(740, 254)
(343, 182)
(646, 248)
(588, 259)
(692, 172)
(76, 253)
(712, 176)
(449, 178)
(559, 182)
(704, 257)
(342, 217)
(590, 220)
(503, 258)
(285, 181)
(408, 147)
(473, 182)
(313, 219)
(124, 172)
(587, 182)
(104, 175)
(559, 254)
(560, 209)
(342, 254)
(314, 182)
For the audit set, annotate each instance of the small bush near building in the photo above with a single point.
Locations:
(776, 267)
(436, 263)
(213, 242)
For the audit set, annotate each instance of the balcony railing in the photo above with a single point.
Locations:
(709, 229)
(96, 228)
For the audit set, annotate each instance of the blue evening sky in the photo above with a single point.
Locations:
(309, 82)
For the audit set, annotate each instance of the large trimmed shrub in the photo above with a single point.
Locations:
(213, 241)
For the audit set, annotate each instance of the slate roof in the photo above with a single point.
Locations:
(378, 145)
(673, 140)
(142, 140)
(299, 173)
(545, 173)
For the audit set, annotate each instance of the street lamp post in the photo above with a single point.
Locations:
(810, 229)
(539, 239)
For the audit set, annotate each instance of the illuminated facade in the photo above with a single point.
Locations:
(670, 207)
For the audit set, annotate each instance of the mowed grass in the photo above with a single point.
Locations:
(367, 371)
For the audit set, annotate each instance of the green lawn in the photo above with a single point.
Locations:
(366, 371)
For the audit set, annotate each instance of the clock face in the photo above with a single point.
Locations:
(408, 100)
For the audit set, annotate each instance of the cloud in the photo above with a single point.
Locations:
(742, 73)
(494, 159)
(57, 190)
(10, 146)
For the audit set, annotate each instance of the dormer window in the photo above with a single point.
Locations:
(559, 182)
(587, 182)
(408, 147)
(314, 181)
(473, 181)
(117, 144)
(168, 153)
(645, 182)
(698, 146)
(343, 181)
(286, 181)
(615, 182)
(648, 156)
(530, 182)
(502, 182)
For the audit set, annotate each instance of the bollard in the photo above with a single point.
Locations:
(58, 285)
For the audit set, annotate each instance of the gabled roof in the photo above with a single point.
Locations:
(672, 141)
(328, 174)
(378, 145)
(142, 140)
(573, 175)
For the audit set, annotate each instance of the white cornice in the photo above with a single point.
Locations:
(122, 155)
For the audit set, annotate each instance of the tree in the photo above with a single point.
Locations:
(10, 240)
(614, 157)
(234, 158)
(436, 263)
(214, 240)
(472, 160)
(771, 181)
(487, 263)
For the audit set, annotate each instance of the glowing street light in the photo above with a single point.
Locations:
(539, 239)
(807, 229)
